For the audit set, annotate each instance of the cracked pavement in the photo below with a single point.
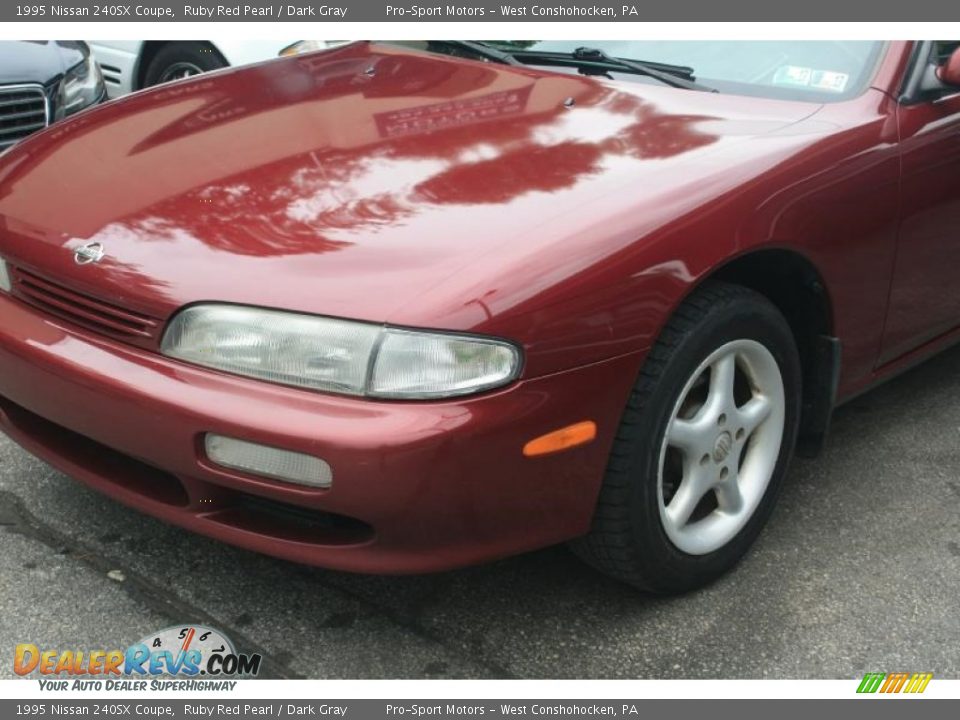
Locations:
(859, 570)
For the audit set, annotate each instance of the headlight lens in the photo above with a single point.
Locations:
(302, 46)
(339, 356)
(279, 347)
(425, 365)
(82, 86)
(5, 284)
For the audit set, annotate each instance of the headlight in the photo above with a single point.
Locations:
(4, 277)
(426, 365)
(339, 356)
(302, 46)
(82, 86)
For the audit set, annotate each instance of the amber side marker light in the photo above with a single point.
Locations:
(562, 439)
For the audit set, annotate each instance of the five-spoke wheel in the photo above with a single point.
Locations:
(703, 445)
(721, 446)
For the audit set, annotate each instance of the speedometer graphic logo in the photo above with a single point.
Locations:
(179, 651)
(190, 650)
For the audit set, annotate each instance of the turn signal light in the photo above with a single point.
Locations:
(562, 439)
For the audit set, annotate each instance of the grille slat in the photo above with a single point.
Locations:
(50, 302)
(23, 111)
(22, 130)
(9, 98)
(17, 115)
(82, 309)
(44, 286)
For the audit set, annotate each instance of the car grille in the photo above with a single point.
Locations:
(23, 110)
(84, 310)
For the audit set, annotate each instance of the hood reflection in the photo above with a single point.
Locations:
(348, 182)
(467, 148)
(348, 142)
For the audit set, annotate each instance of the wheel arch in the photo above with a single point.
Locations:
(149, 51)
(789, 279)
(792, 282)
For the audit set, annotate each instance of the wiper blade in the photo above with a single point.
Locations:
(674, 76)
(474, 48)
(641, 68)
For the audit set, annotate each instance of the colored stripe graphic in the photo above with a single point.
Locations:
(887, 683)
(871, 682)
(896, 682)
(918, 683)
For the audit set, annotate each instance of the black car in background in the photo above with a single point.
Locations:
(42, 82)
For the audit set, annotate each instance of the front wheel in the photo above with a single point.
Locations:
(703, 445)
(180, 60)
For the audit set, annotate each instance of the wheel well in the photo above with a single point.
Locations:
(149, 52)
(793, 284)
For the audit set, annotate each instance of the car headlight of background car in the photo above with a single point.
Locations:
(82, 85)
(4, 277)
(339, 356)
(302, 46)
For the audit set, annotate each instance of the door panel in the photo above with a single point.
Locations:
(925, 295)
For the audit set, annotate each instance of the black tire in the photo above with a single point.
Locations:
(188, 54)
(627, 539)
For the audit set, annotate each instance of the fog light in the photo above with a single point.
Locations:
(267, 461)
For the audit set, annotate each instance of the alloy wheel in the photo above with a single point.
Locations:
(179, 71)
(721, 446)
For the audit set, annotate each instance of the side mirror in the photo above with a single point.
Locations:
(939, 80)
(949, 72)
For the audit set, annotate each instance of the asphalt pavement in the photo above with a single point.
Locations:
(859, 570)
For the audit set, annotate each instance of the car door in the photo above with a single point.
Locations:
(925, 294)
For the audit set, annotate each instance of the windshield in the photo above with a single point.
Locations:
(805, 70)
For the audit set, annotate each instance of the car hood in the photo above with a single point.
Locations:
(352, 182)
(36, 62)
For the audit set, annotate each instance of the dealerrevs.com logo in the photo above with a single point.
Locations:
(175, 653)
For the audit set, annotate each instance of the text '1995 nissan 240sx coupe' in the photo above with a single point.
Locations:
(398, 308)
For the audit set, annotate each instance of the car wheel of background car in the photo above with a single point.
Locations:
(179, 60)
(703, 445)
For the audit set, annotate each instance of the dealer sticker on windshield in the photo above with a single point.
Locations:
(796, 76)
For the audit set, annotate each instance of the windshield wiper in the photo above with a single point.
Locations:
(480, 50)
(583, 57)
(596, 60)
(641, 68)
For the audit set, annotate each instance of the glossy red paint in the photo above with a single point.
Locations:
(923, 303)
(441, 484)
(380, 184)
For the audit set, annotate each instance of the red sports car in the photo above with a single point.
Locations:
(397, 309)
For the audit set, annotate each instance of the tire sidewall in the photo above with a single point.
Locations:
(204, 57)
(743, 319)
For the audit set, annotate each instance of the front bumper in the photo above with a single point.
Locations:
(416, 486)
